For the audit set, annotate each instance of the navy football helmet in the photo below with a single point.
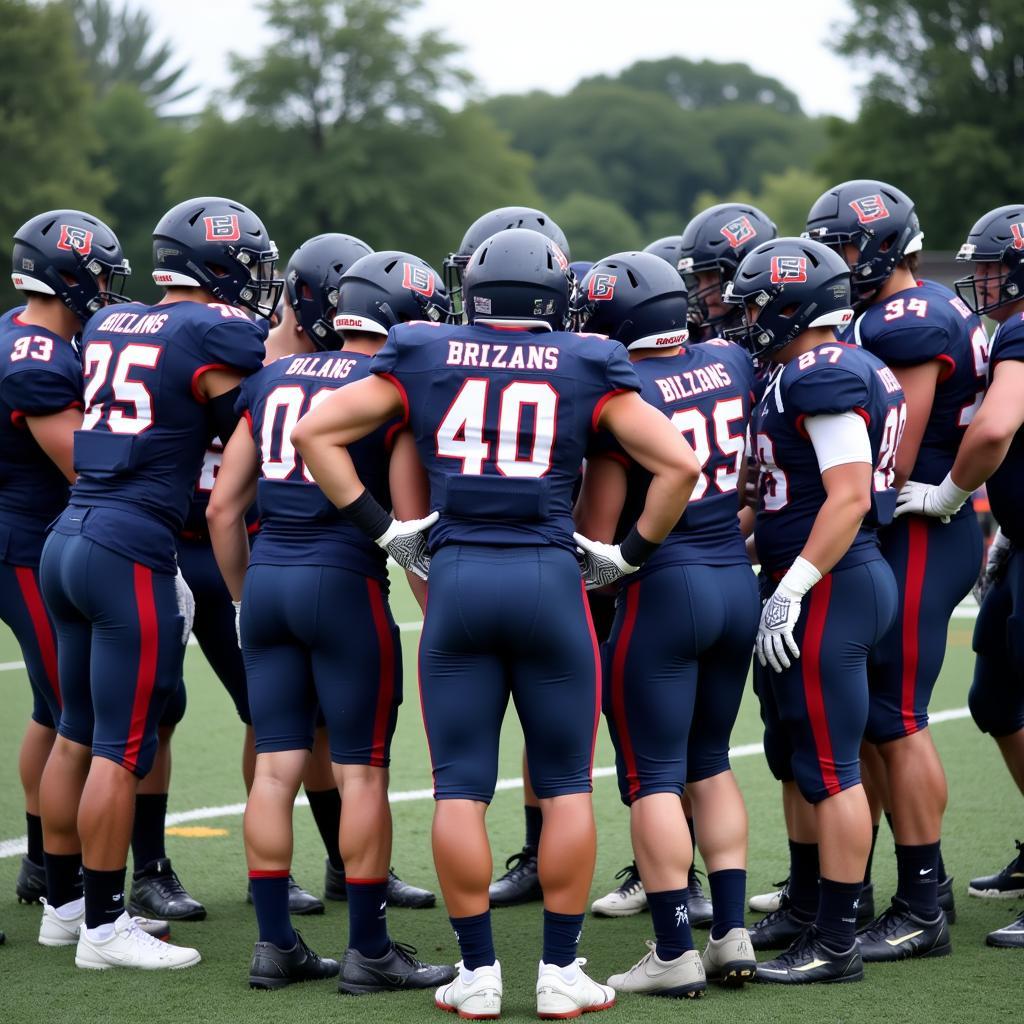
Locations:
(388, 288)
(636, 298)
(877, 218)
(518, 278)
(714, 242)
(221, 246)
(502, 219)
(66, 253)
(311, 283)
(669, 248)
(794, 284)
(997, 238)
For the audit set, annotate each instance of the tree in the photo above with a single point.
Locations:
(784, 197)
(596, 227)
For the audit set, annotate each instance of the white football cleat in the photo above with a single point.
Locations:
(473, 995)
(628, 899)
(730, 959)
(769, 902)
(564, 992)
(55, 930)
(682, 978)
(130, 946)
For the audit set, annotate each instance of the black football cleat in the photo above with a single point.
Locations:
(273, 968)
(520, 883)
(810, 961)
(697, 904)
(779, 929)
(899, 934)
(1010, 937)
(396, 970)
(866, 905)
(1007, 884)
(157, 893)
(31, 883)
(409, 897)
(946, 899)
(334, 883)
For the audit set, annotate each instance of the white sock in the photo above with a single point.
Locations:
(101, 934)
(68, 911)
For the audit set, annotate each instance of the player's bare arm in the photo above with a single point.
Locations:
(232, 495)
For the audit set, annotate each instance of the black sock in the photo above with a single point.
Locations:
(34, 825)
(670, 921)
(270, 901)
(692, 878)
(917, 878)
(148, 830)
(728, 889)
(476, 943)
(104, 896)
(367, 916)
(803, 877)
(836, 921)
(326, 807)
(63, 878)
(561, 937)
(534, 821)
(942, 864)
(888, 820)
(871, 855)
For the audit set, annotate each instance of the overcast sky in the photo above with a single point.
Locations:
(550, 44)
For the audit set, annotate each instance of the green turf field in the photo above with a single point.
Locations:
(42, 985)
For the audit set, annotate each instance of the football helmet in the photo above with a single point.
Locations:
(221, 246)
(66, 253)
(795, 284)
(388, 288)
(669, 248)
(636, 298)
(877, 218)
(311, 283)
(997, 238)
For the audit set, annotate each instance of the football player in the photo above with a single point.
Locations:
(159, 381)
(314, 613)
(669, 248)
(992, 451)
(825, 433)
(684, 627)
(501, 411)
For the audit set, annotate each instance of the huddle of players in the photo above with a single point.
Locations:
(487, 425)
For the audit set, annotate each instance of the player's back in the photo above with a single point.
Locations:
(502, 419)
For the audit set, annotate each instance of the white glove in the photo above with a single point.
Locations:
(237, 605)
(601, 564)
(999, 552)
(186, 605)
(940, 501)
(781, 614)
(406, 544)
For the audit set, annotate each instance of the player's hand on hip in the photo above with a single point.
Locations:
(406, 542)
(186, 605)
(237, 605)
(775, 633)
(601, 563)
(939, 501)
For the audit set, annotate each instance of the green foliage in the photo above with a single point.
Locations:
(596, 227)
(785, 197)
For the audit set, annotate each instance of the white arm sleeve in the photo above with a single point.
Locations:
(839, 438)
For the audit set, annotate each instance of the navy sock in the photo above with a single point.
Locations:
(104, 896)
(326, 807)
(148, 829)
(476, 943)
(871, 855)
(270, 899)
(34, 824)
(888, 820)
(803, 877)
(534, 821)
(837, 913)
(728, 893)
(63, 878)
(942, 864)
(367, 915)
(561, 937)
(692, 878)
(917, 878)
(671, 922)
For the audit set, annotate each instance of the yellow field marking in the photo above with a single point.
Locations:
(195, 831)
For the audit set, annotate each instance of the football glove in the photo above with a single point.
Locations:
(406, 543)
(186, 605)
(775, 633)
(940, 501)
(999, 552)
(237, 605)
(600, 563)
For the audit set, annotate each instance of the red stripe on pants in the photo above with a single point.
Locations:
(917, 561)
(619, 688)
(41, 626)
(817, 613)
(386, 683)
(149, 633)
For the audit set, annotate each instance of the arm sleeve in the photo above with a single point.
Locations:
(42, 391)
(839, 439)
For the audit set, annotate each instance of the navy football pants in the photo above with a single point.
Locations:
(501, 622)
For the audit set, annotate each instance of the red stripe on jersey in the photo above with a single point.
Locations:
(948, 367)
(817, 613)
(386, 681)
(601, 402)
(41, 625)
(619, 687)
(917, 560)
(597, 674)
(145, 680)
(196, 393)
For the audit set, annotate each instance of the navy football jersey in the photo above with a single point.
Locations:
(299, 525)
(40, 375)
(916, 326)
(706, 391)
(502, 419)
(145, 431)
(195, 527)
(832, 378)
(1006, 485)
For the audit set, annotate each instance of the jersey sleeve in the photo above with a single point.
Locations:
(619, 372)
(385, 360)
(235, 344)
(906, 343)
(824, 389)
(43, 389)
(1009, 341)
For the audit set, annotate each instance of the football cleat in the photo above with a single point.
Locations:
(809, 960)
(520, 883)
(473, 995)
(899, 934)
(334, 883)
(398, 969)
(769, 902)
(31, 883)
(300, 902)
(157, 892)
(699, 906)
(564, 992)
(947, 901)
(411, 897)
(730, 959)
(779, 929)
(55, 930)
(681, 978)
(1007, 884)
(130, 946)
(1010, 937)
(273, 967)
(628, 899)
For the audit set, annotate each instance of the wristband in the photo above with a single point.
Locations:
(801, 577)
(366, 513)
(950, 496)
(636, 549)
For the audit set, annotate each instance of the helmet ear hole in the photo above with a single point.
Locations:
(217, 270)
